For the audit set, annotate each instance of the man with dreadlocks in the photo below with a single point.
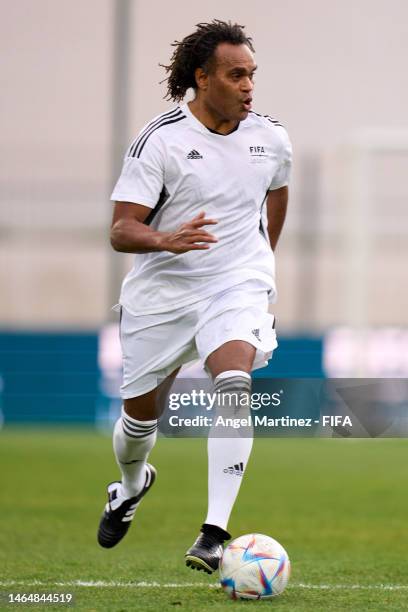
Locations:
(201, 201)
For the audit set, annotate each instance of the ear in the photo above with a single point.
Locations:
(201, 79)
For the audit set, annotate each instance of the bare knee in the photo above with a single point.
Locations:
(150, 405)
(233, 355)
(143, 407)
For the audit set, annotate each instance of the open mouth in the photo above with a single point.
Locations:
(247, 104)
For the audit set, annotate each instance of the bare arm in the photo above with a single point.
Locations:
(276, 206)
(130, 235)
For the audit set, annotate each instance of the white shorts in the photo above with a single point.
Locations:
(153, 346)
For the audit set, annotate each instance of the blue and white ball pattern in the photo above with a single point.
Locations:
(254, 566)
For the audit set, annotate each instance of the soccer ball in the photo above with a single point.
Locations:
(254, 566)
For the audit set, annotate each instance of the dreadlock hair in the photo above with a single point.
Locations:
(196, 51)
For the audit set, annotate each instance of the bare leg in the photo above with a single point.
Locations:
(233, 355)
(150, 405)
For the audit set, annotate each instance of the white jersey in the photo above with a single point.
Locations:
(179, 168)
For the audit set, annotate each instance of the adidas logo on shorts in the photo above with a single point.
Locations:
(257, 334)
(194, 155)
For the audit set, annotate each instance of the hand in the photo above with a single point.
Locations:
(189, 237)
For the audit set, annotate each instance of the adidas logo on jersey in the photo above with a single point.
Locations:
(237, 469)
(256, 334)
(194, 155)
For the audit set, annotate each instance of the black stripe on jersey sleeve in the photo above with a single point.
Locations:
(261, 227)
(150, 125)
(143, 139)
(164, 196)
(273, 121)
(270, 119)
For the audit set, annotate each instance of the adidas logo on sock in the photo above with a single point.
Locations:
(237, 469)
(257, 334)
(194, 155)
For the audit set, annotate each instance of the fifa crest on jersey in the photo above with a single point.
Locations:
(258, 154)
(259, 151)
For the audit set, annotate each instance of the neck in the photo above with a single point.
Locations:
(210, 118)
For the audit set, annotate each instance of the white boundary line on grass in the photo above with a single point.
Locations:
(186, 585)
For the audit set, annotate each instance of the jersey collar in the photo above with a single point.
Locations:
(201, 126)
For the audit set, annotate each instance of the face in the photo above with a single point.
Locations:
(228, 87)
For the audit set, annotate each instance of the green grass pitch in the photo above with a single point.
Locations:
(338, 506)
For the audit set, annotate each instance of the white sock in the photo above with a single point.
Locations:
(132, 442)
(227, 456)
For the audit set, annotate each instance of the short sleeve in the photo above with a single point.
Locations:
(282, 175)
(142, 177)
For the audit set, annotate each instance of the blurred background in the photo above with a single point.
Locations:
(78, 82)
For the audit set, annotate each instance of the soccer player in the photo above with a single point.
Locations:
(201, 201)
